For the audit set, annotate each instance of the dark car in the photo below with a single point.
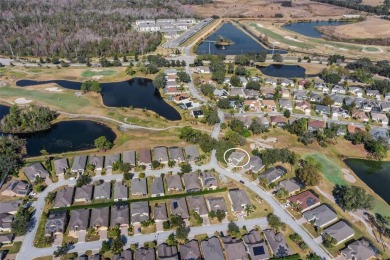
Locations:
(242, 182)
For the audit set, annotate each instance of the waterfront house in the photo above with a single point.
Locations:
(79, 163)
(304, 201)
(290, 185)
(111, 159)
(97, 161)
(129, 157)
(320, 216)
(34, 171)
(17, 188)
(60, 166)
(340, 231)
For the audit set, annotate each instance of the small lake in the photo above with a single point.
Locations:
(243, 43)
(375, 174)
(67, 136)
(309, 28)
(137, 92)
(3, 111)
(283, 71)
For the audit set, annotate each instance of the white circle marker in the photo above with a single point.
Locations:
(231, 164)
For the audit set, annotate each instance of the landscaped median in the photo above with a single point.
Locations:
(112, 202)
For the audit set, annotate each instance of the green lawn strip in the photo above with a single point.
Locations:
(338, 45)
(330, 169)
(280, 38)
(65, 100)
(374, 49)
(90, 73)
(112, 202)
(12, 249)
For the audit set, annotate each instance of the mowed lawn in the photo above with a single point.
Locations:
(66, 100)
(91, 73)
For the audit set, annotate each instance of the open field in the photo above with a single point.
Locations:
(373, 2)
(97, 72)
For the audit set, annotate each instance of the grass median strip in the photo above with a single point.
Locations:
(112, 202)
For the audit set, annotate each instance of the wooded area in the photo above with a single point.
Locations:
(74, 28)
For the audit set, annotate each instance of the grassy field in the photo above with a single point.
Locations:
(100, 72)
(13, 248)
(371, 49)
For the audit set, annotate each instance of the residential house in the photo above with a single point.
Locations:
(340, 231)
(355, 90)
(254, 105)
(286, 83)
(304, 201)
(174, 183)
(197, 113)
(203, 69)
(139, 212)
(56, 223)
(192, 153)
(321, 87)
(373, 93)
(198, 204)
(360, 115)
(211, 249)
(263, 121)
(78, 221)
(169, 72)
(234, 248)
(380, 118)
(300, 94)
(97, 161)
(339, 112)
(352, 129)
(290, 185)
(100, 218)
(171, 89)
(236, 157)
(285, 93)
(271, 175)
(219, 93)
(208, 180)
(321, 216)
(268, 104)
(237, 92)
(60, 166)
(245, 119)
(7, 213)
(380, 134)
(244, 81)
(301, 84)
(316, 98)
(83, 193)
(179, 207)
(255, 164)
(251, 94)
(160, 154)
(120, 215)
(191, 182)
(279, 121)
(338, 89)
(257, 248)
(387, 96)
(239, 199)
(145, 254)
(385, 106)
(102, 191)
(277, 243)
(338, 100)
(17, 188)
(355, 102)
(160, 212)
(145, 157)
(129, 157)
(121, 191)
(315, 125)
(176, 154)
(369, 105)
(270, 81)
(181, 98)
(167, 252)
(6, 239)
(285, 104)
(360, 249)
(322, 110)
(267, 93)
(111, 159)
(139, 187)
(157, 187)
(64, 197)
(190, 250)
(35, 170)
(216, 203)
(303, 106)
(79, 163)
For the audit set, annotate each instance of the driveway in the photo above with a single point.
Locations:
(109, 171)
(206, 221)
(81, 236)
(58, 240)
(103, 234)
(137, 229)
(301, 221)
(98, 172)
(124, 231)
(159, 226)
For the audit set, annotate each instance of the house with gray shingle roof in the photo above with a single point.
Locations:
(139, 212)
(191, 182)
(100, 218)
(239, 199)
(360, 249)
(277, 243)
(322, 110)
(234, 248)
(198, 204)
(212, 249)
(160, 212)
(79, 219)
(216, 203)
(320, 216)
(7, 212)
(139, 187)
(255, 164)
(145, 157)
(120, 215)
(60, 166)
(340, 231)
(176, 154)
(111, 159)
(102, 191)
(285, 104)
(97, 161)
(79, 163)
(271, 175)
(55, 223)
(6, 239)
(129, 157)
(290, 185)
(208, 180)
(17, 188)
(179, 207)
(160, 154)
(126, 254)
(167, 252)
(83, 193)
(190, 250)
(236, 157)
(157, 187)
(192, 153)
(145, 254)
(64, 197)
(258, 249)
(35, 170)
(174, 183)
(121, 191)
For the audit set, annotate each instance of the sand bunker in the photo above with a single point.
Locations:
(54, 89)
(347, 176)
(22, 101)
(292, 39)
(96, 70)
(342, 49)
(97, 77)
(260, 25)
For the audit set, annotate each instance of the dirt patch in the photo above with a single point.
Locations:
(347, 176)
(54, 89)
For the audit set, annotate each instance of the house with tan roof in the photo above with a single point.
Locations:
(278, 121)
(360, 116)
(303, 106)
(254, 105)
(315, 125)
(145, 157)
(268, 104)
(352, 129)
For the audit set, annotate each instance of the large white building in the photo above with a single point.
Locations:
(164, 25)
